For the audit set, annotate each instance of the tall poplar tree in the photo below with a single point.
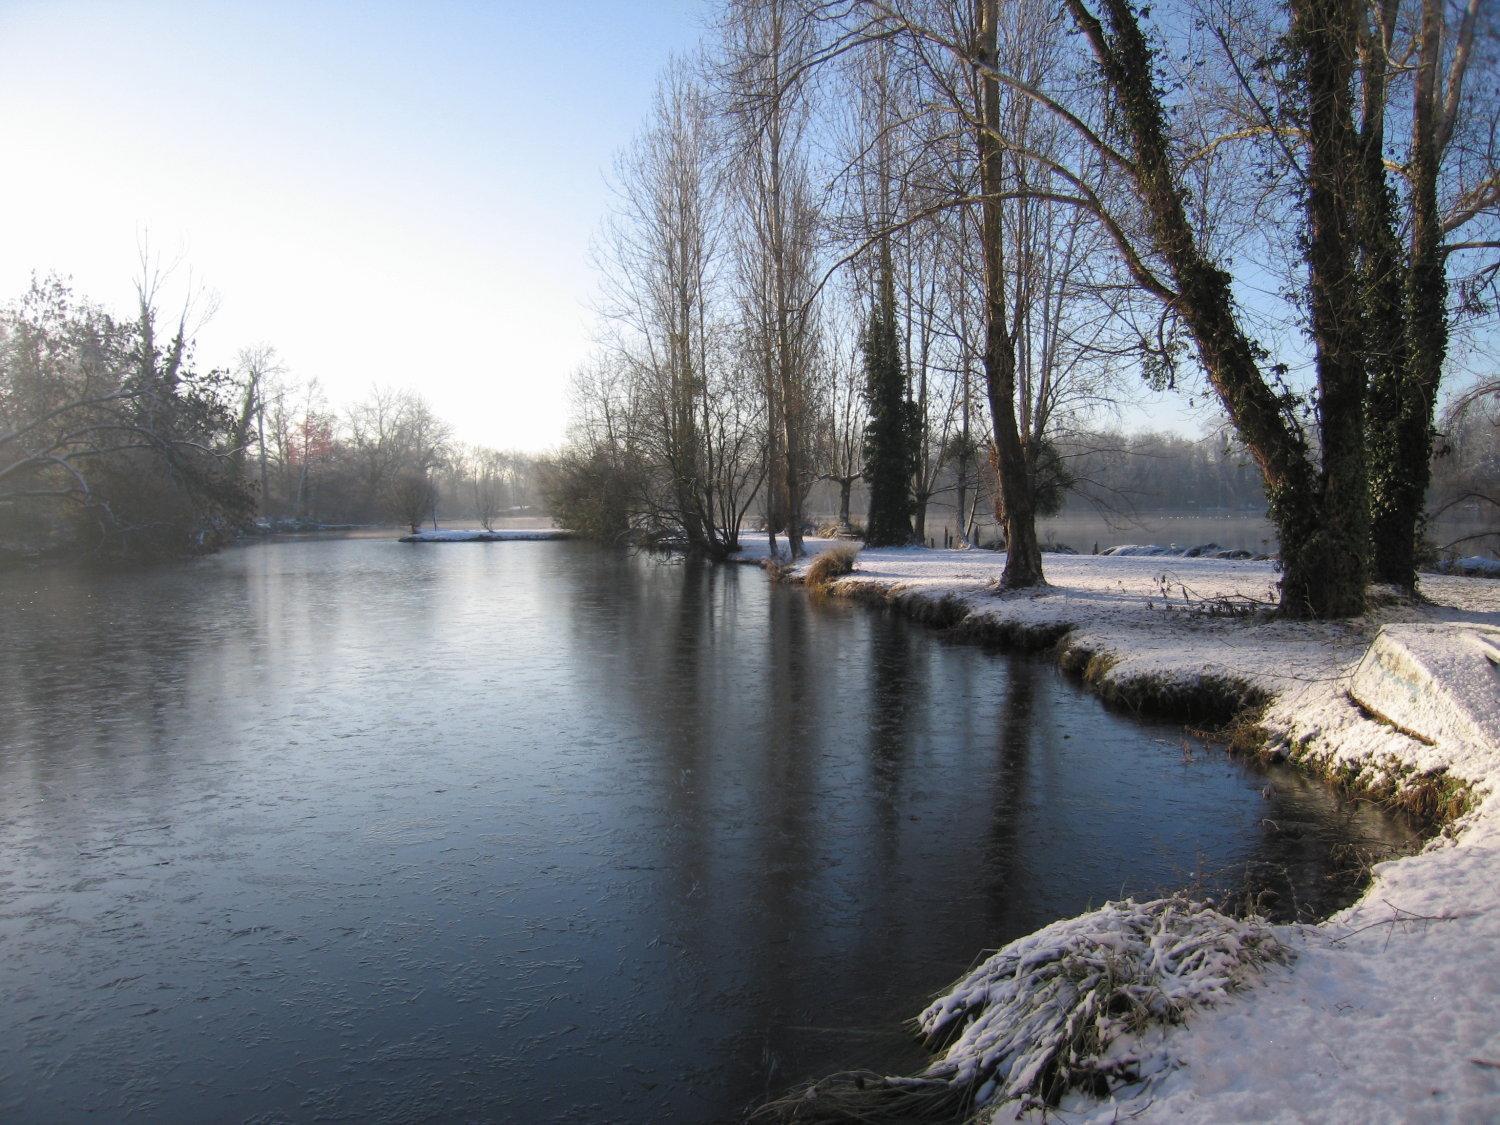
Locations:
(890, 433)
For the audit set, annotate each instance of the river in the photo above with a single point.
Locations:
(544, 832)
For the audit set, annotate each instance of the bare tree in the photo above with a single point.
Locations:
(968, 152)
(487, 472)
(258, 365)
(678, 402)
(842, 423)
(765, 45)
(413, 496)
(393, 434)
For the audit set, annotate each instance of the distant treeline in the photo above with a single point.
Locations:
(1159, 472)
(1151, 471)
(386, 458)
(116, 446)
(1466, 472)
(113, 444)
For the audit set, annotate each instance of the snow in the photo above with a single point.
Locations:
(1475, 566)
(479, 535)
(1389, 1010)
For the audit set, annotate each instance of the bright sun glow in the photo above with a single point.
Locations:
(382, 196)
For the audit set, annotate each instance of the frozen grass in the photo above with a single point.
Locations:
(1064, 1008)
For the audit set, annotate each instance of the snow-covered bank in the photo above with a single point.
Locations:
(479, 535)
(1474, 566)
(1388, 1011)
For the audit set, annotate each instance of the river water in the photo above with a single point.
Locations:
(539, 831)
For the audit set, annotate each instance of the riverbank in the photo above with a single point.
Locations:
(1387, 1009)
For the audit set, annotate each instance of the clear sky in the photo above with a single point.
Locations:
(394, 193)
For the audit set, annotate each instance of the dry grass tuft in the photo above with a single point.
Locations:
(1434, 799)
(779, 568)
(830, 564)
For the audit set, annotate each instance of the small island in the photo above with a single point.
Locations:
(485, 535)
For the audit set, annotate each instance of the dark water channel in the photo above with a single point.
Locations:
(535, 831)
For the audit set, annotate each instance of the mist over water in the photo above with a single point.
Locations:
(540, 831)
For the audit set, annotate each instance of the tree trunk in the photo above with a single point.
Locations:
(1023, 557)
(1400, 509)
(1318, 579)
(792, 465)
(260, 428)
(302, 490)
(1325, 34)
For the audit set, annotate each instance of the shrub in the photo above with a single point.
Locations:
(589, 491)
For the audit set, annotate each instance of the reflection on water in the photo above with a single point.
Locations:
(534, 831)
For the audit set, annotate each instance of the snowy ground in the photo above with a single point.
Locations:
(1390, 1010)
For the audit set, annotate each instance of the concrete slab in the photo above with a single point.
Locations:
(1440, 683)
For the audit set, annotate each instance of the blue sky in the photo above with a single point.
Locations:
(402, 193)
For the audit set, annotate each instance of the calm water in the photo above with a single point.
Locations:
(534, 831)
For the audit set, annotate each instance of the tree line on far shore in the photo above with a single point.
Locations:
(386, 457)
(923, 249)
(114, 446)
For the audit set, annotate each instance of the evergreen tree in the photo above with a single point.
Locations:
(891, 432)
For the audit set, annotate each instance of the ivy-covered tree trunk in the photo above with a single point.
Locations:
(1324, 34)
(1322, 573)
(1395, 497)
(889, 442)
(1408, 294)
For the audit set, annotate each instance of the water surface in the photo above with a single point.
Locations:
(537, 831)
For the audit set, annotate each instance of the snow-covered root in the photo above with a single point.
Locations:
(1058, 1010)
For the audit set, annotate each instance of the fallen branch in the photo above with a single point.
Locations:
(1402, 917)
